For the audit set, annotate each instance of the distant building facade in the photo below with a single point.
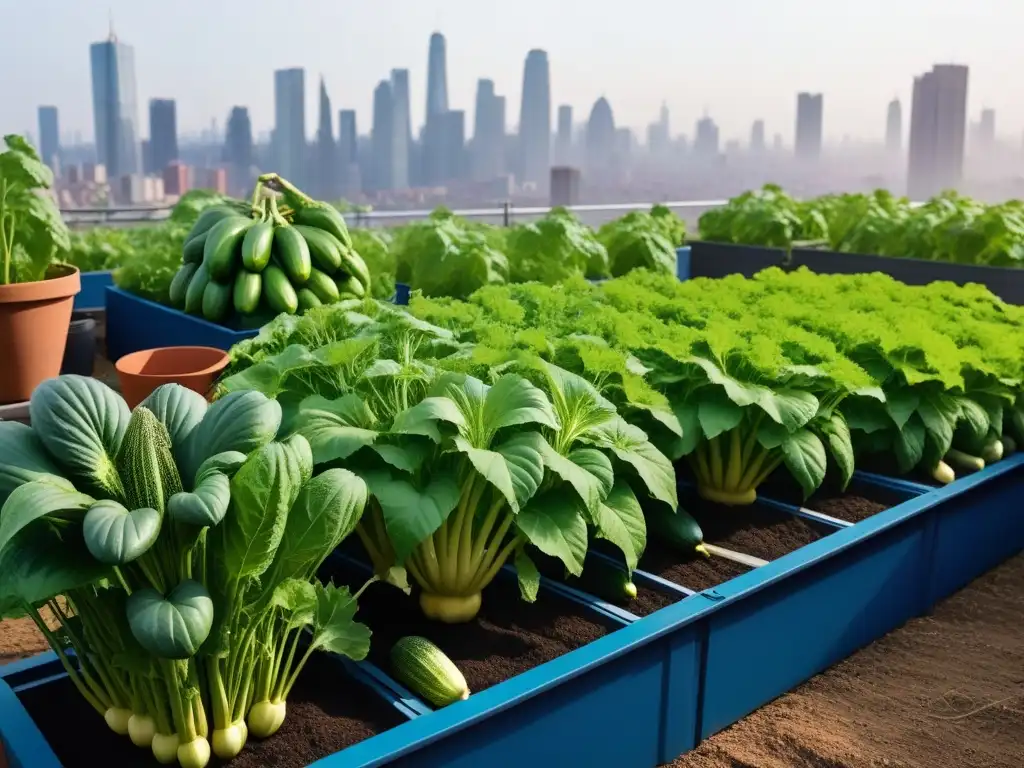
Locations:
(938, 123)
(810, 109)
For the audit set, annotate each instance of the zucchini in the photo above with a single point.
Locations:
(278, 291)
(216, 301)
(292, 254)
(321, 284)
(943, 474)
(307, 299)
(992, 450)
(350, 286)
(192, 253)
(179, 285)
(352, 263)
(248, 288)
(325, 217)
(207, 218)
(424, 668)
(676, 530)
(196, 287)
(607, 581)
(256, 246)
(223, 245)
(964, 462)
(324, 248)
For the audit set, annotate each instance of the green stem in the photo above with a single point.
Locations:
(295, 673)
(280, 692)
(716, 462)
(180, 707)
(735, 462)
(491, 553)
(753, 470)
(218, 696)
(479, 552)
(498, 561)
(94, 702)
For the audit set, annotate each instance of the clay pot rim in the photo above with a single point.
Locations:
(221, 363)
(61, 281)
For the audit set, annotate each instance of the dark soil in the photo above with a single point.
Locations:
(697, 573)
(508, 636)
(646, 602)
(852, 509)
(943, 691)
(327, 712)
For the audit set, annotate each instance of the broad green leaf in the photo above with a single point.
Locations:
(206, 505)
(335, 428)
(239, 421)
(407, 455)
(586, 469)
(837, 434)
(226, 463)
(717, 413)
(173, 627)
(115, 535)
(792, 408)
(973, 420)
(901, 403)
(771, 434)
(49, 495)
(334, 625)
(554, 523)
(514, 400)
(297, 600)
(81, 421)
(909, 444)
(620, 520)
(22, 458)
(577, 404)
(412, 513)
(262, 493)
(529, 576)
(939, 414)
(422, 418)
(178, 408)
(865, 415)
(630, 444)
(804, 456)
(263, 377)
(522, 454)
(688, 413)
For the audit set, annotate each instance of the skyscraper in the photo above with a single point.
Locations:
(401, 128)
(705, 142)
(289, 151)
(238, 150)
(382, 137)
(987, 129)
(535, 121)
(809, 114)
(757, 136)
(488, 133)
(894, 127)
(432, 165)
(453, 144)
(658, 134)
(600, 136)
(348, 147)
(563, 135)
(49, 135)
(115, 110)
(938, 122)
(163, 133)
(437, 77)
(325, 170)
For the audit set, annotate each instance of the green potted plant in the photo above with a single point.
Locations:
(36, 295)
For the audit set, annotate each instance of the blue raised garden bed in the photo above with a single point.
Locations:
(93, 293)
(654, 688)
(134, 323)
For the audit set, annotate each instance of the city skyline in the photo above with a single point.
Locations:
(578, 76)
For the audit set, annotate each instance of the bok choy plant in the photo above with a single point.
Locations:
(176, 547)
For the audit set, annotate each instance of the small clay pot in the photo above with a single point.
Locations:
(194, 367)
(34, 320)
(80, 353)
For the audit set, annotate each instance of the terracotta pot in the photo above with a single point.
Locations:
(193, 367)
(34, 319)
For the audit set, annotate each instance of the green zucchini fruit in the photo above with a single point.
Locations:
(321, 284)
(179, 285)
(324, 248)
(607, 581)
(217, 301)
(292, 254)
(324, 216)
(192, 253)
(964, 462)
(425, 669)
(196, 287)
(353, 264)
(278, 291)
(220, 254)
(307, 299)
(207, 218)
(257, 245)
(676, 530)
(248, 288)
(350, 287)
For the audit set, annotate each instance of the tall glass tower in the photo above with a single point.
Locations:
(290, 149)
(115, 110)
(535, 121)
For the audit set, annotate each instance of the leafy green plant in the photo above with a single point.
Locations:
(32, 233)
(554, 248)
(643, 241)
(176, 546)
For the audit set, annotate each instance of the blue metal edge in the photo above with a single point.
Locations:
(93, 293)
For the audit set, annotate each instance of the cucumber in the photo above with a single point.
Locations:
(220, 254)
(207, 219)
(278, 291)
(349, 286)
(943, 473)
(307, 299)
(676, 530)
(321, 284)
(216, 301)
(292, 254)
(196, 288)
(325, 217)
(248, 287)
(353, 264)
(607, 581)
(992, 450)
(964, 462)
(192, 253)
(1009, 445)
(179, 285)
(324, 248)
(424, 668)
(256, 246)
(1016, 426)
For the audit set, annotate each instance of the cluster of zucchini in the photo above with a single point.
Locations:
(260, 260)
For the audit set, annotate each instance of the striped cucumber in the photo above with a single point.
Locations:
(425, 669)
(248, 287)
(216, 301)
(196, 287)
(179, 285)
(322, 286)
(292, 253)
(278, 291)
(207, 218)
(220, 254)
(257, 245)
(307, 299)
(324, 248)
(350, 287)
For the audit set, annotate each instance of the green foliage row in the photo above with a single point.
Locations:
(949, 227)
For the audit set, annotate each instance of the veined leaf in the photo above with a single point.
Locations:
(553, 522)
(422, 418)
(620, 520)
(412, 513)
(901, 403)
(578, 406)
(529, 576)
(49, 495)
(716, 412)
(178, 408)
(586, 469)
(335, 429)
(805, 459)
(910, 444)
(630, 444)
(22, 458)
(334, 626)
(837, 434)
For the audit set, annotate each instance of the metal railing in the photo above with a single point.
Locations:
(504, 215)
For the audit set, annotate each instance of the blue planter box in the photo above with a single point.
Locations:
(133, 323)
(93, 293)
(700, 664)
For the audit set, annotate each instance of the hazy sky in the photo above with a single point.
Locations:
(738, 59)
